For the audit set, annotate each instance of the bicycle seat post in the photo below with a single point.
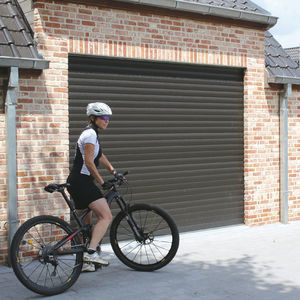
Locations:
(62, 191)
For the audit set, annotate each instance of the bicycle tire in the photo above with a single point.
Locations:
(32, 268)
(161, 238)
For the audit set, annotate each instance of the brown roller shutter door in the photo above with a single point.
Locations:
(177, 127)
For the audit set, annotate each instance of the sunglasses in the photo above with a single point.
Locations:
(104, 118)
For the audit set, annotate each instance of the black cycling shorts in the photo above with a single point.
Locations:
(83, 190)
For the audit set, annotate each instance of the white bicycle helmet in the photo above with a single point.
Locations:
(98, 109)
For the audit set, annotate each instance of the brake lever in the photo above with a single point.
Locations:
(120, 178)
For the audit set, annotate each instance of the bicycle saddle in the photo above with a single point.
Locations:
(50, 188)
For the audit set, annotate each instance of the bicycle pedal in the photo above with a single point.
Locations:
(100, 266)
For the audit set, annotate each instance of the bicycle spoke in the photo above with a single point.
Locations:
(127, 244)
(24, 267)
(145, 220)
(151, 225)
(160, 247)
(141, 253)
(63, 271)
(133, 249)
(60, 277)
(147, 255)
(128, 232)
(153, 253)
(129, 236)
(70, 267)
(35, 270)
(50, 276)
(41, 245)
(137, 252)
(41, 271)
(157, 226)
(166, 242)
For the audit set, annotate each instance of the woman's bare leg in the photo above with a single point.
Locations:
(104, 216)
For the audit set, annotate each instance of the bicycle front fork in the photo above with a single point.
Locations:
(134, 227)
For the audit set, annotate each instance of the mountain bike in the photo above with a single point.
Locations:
(46, 253)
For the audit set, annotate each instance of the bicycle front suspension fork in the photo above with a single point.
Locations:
(130, 220)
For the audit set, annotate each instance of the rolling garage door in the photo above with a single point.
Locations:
(178, 128)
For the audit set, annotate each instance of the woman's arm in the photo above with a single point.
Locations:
(106, 164)
(89, 162)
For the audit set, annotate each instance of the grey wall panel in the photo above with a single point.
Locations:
(177, 127)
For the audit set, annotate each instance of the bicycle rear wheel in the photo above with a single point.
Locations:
(160, 238)
(38, 271)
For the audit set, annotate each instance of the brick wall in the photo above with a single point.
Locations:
(42, 143)
(294, 154)
(262, 155)
(63, 28)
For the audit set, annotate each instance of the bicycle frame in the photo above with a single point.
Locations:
(110, 196)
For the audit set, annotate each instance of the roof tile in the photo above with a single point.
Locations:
(15, 38)
(278, 62)
(4, 11)
(294, 53)
(5, 50)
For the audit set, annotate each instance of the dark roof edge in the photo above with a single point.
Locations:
(284, 80)
(24, 63)
(205, 9)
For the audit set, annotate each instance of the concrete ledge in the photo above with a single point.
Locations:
(255, 17)
(225, 13)
(160, 3)
(284, 80)
(192, 7)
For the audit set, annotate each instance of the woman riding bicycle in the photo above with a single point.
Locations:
(47, 254)
(82, 187)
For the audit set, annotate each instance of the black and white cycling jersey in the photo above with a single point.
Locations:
(88, 136)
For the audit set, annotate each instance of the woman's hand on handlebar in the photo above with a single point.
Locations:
(107, 185)
(119, 178)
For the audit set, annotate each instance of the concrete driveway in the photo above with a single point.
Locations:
(237, 262)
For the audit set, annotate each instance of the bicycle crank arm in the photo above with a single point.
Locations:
(67, 252)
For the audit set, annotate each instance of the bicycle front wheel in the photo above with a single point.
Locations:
(40, 271)
(160, 238)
